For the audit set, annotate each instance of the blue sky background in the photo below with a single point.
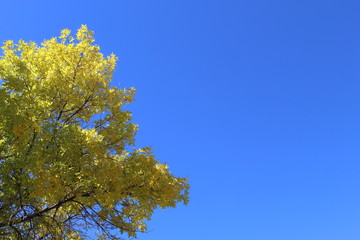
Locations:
(256, 101)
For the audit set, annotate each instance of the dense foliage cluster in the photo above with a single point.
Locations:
(68, 165)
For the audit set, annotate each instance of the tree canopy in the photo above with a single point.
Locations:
(69, 167)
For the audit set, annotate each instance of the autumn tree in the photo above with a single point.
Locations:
(68, 164)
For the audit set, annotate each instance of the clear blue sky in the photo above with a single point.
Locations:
(257, 102)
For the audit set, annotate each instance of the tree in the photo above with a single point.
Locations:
(68, 163)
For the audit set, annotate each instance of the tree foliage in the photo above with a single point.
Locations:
(68, 164)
